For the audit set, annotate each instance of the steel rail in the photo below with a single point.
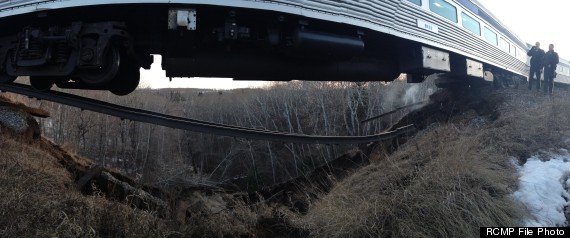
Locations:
(103, 103)
(392, 112)
(191, 124)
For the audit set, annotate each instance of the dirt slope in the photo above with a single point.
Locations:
(38, 199)
(451, 178)
(48, 191)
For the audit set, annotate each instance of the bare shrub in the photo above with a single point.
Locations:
(161, 155)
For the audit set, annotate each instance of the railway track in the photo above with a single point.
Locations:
(145, 116)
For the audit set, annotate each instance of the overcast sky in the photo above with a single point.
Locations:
(544, 21)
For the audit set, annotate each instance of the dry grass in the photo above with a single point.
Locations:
(448, 180)
(240, 221)
(38, 199)
(531, 123)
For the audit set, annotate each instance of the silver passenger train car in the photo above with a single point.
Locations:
(102, 44)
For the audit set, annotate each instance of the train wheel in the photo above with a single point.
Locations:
(5, 78)
(127, 80)
(479, 83)
(448, 82)
(104, 74)
(41, 83)
(502, 81)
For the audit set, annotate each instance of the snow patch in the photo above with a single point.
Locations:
(543, 189)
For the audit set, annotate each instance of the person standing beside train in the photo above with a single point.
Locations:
(550, 61)
(536, 61)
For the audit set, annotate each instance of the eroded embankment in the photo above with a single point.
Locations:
(449, 179)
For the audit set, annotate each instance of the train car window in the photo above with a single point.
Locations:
(471, 24)
(505, 45)
(417, 2)
(490, 36)
(443, 9)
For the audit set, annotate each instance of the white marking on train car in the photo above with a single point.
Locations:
(428, 26)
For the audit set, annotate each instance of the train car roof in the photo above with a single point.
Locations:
(478, 9)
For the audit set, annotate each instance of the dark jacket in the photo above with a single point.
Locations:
(550, 60)
(537, 57)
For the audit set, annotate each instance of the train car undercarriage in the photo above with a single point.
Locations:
(81, 49)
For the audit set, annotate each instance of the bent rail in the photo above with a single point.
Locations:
(192, 124)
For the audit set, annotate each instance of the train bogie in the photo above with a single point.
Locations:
(88, 55)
